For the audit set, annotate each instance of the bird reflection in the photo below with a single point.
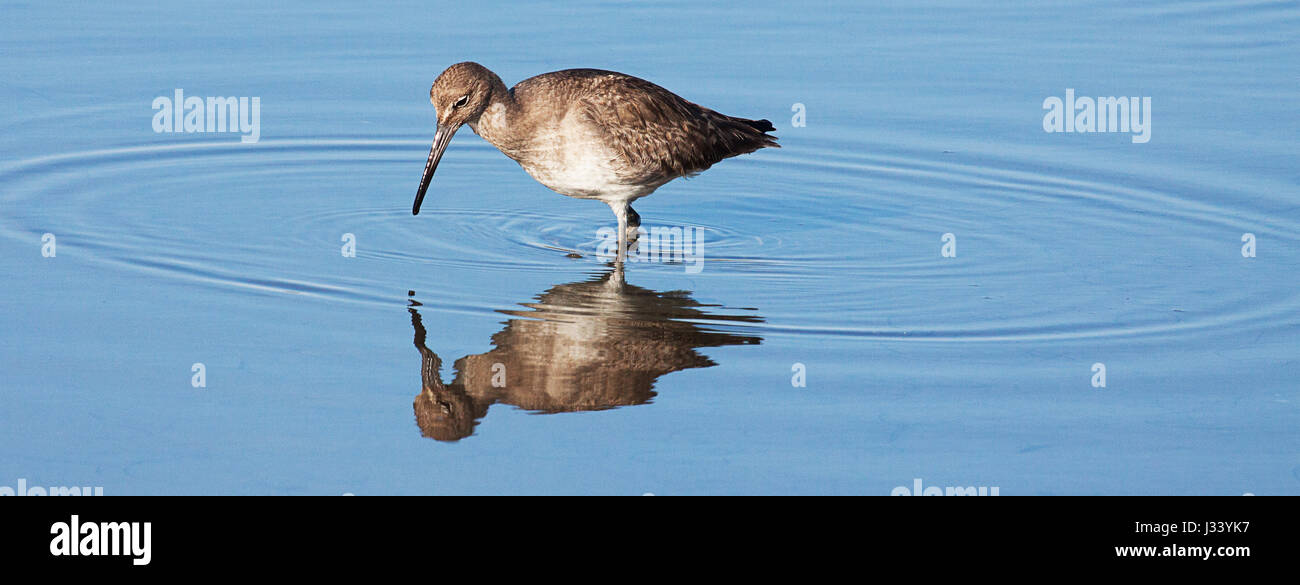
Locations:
(591, 345)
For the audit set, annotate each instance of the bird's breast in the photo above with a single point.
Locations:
(571, 160)
(564, 153)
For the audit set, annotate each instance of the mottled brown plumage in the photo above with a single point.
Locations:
(583, 346)
(589, 133)
(658, 135)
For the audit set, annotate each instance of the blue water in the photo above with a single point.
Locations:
(327, 374)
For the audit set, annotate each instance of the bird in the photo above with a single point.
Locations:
(590, 345)
(588, 133)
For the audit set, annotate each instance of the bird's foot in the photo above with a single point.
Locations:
(633, 228)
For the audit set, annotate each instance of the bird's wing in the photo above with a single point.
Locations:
(658, 134)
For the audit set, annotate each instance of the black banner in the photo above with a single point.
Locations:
(153, 535)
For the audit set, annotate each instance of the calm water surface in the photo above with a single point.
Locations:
(375, 374)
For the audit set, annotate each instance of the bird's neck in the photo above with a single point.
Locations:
(494, 125)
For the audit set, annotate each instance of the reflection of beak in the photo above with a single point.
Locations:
(441, 139)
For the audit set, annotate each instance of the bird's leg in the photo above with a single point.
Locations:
(620, 212)
(623, 211)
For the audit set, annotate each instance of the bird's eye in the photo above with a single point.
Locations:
(460, 102)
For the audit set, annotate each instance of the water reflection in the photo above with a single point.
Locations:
(591, 345)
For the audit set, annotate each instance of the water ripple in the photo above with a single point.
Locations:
(831, 240)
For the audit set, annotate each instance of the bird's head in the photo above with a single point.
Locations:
(459, 95)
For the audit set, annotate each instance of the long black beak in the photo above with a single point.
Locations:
(441, 139)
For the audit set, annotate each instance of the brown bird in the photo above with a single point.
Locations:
(583, 346)
(588, 133)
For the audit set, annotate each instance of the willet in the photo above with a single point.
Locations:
(588, 133)
(582, 346)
